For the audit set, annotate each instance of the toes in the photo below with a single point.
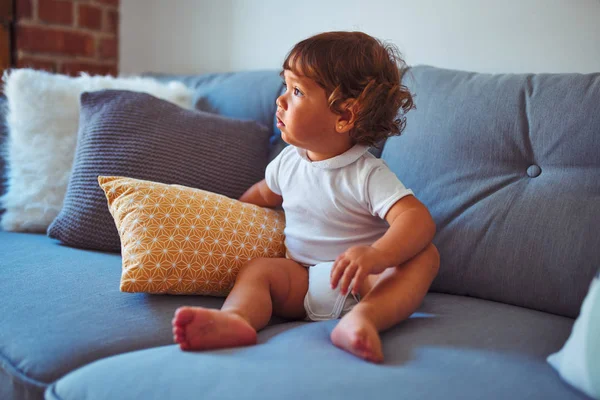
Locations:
(184, 346)
(358, 341)
(179, 336)
(374, 356)
(178, 330)
(179, 339)
(183, 316)
(365, 349)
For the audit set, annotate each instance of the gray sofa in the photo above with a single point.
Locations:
(509, 166)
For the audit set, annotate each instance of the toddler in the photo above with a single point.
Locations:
(358, 242)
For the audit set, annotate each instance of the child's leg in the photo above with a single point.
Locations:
(263, 287)
(393, 297)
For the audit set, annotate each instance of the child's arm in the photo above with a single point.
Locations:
(411, 230)
(260, 195)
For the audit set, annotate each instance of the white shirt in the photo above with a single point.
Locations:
(334, 204)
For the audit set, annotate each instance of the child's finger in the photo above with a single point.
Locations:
(337, 271)
(336, 264)
(347, 277)
(358, 280)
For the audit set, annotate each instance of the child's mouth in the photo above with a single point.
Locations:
(280, 123)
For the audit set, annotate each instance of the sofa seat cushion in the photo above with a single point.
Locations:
(61, 308)
(453, 347)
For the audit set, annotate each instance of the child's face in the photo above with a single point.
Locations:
(304, 117)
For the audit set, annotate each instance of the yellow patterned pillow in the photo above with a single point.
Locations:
(180, 240)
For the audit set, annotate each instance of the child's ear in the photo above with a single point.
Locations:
(345, 121)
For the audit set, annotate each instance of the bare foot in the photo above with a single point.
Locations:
(197, 328)
(358, 336)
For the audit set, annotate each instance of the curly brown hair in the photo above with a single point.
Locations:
(354, 65)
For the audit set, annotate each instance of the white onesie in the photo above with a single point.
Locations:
(330, 206)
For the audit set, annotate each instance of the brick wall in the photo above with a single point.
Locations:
(68, 36)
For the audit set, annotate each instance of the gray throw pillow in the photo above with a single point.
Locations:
(136, 135)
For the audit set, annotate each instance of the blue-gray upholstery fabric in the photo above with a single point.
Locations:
(227, 94)
(136, 135)
(243, 95)
(61, 308)
(509, 166)
(453, 348)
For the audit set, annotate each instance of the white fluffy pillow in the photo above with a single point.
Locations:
(42, 121)
(578, 362)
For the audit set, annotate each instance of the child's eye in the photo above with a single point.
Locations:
(297, 92)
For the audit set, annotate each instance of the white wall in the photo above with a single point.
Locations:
(194, 36)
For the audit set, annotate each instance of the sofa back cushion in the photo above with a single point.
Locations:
(509, 166)
(246, 95)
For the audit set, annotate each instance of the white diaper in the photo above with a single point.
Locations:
(321, 301)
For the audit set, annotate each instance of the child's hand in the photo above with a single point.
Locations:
(355, 264)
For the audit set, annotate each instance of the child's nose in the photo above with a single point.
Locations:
(281, 103)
